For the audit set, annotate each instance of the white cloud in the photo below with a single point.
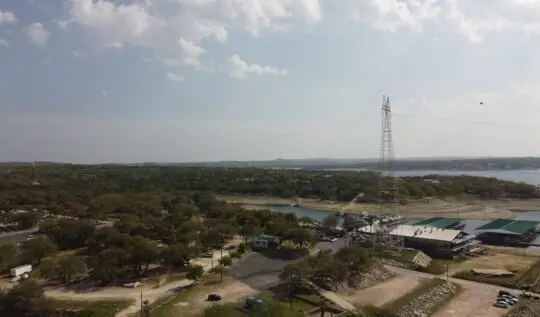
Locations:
(175, 31)
(77, 54)
(174, 77)
(3, 43)
(192, 51)
(37, 34)
(473, 19)
(7, 17)
(239, 69)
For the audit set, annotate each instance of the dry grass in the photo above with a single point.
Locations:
(503, 261)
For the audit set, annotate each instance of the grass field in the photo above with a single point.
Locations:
(525, 278)
(101, 308)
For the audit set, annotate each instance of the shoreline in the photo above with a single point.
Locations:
(423, 208)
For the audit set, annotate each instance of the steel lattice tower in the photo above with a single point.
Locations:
(387, 193)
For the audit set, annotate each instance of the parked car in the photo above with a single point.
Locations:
(208, 254)
(506, 300)
(502, 293)
(213, 298)
(501, 305)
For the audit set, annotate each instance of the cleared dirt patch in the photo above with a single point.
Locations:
(384, 292)
(428, 207)
(503, 261)
(477, 302)
(194, 301)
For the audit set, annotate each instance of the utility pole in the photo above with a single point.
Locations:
(141, 305)
(446, 272)
(290, 290)
(323, 308)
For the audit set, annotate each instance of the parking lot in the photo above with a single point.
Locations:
(472, 301)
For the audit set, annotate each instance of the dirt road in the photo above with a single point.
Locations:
(150, 294)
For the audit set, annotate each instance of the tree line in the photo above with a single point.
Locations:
(91, 191)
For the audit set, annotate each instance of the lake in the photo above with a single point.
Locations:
(300, 211)
(527, 176)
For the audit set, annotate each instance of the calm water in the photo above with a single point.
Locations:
(527, 176)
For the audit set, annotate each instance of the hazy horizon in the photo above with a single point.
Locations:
(206, 80)
(344, 160)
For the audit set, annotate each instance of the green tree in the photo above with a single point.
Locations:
(195, 272)
(26, 300)
(108, 264)
(36, 249)
(143, 252)
(330, 222)
(68, 266)
(8, 256)
(25, 220)
(224, 262)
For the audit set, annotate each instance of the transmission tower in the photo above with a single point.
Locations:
(387, 194)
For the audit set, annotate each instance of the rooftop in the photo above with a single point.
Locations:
(508, 226)
(439, 222)
(420, 232)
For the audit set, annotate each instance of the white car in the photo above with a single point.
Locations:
(333, 239)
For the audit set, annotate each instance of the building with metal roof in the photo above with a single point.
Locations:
(508, 232)
(431, 240)
(441, 222)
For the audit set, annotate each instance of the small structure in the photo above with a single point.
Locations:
(265, 241)
(20, 270)
(508, 232)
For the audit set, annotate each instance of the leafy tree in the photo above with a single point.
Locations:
(301, 236)
(26, 300)
(178, 255)
(25, 220)
(143, 252)
(330, 222)
(195, 272)
(36, 249)
(225, 261)
(68, 233)
(8, 256)
(68, 266)
(108, 264)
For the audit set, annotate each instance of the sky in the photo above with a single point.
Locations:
(88, 81)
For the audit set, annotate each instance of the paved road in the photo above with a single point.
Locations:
(20, 236)
(16, 236)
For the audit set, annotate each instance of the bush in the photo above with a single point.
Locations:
(242, 248)
(236, 255)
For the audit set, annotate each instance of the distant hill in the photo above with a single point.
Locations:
(437, 163)
(402, 164)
